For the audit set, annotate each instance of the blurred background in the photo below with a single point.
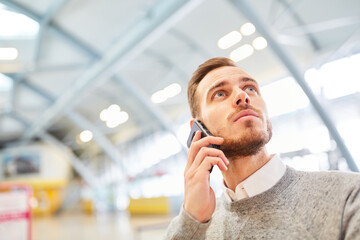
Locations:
(93, 108)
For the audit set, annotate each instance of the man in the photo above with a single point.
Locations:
(264, 199)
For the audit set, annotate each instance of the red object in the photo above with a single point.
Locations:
(16, 198)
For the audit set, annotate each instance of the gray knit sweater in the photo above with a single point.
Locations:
(301, 205)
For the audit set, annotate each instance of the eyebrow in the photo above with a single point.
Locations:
(225, 82)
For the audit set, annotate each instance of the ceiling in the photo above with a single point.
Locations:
(90, 54)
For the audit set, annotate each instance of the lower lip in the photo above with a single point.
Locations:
(249, 117)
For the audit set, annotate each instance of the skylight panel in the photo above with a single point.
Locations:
(15, 25)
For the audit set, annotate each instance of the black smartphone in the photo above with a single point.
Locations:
(199, 126)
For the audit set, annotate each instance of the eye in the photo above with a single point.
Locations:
(251, 89)
(219, 94)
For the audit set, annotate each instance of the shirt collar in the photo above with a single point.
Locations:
(260, 181)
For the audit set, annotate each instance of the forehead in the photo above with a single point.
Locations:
(229, 74)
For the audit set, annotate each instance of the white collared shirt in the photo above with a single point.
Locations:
(260, 181)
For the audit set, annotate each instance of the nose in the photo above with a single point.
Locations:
(241, 97)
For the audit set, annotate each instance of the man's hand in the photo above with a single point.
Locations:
(199, 199)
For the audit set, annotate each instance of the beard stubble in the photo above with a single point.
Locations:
(247, 144)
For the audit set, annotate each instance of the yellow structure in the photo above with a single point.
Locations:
(159, 205)
(46, 195)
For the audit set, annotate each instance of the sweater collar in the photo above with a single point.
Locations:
(289, 178)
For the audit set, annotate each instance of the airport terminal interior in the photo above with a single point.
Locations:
(94, 116)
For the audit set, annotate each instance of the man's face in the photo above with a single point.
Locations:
(231, 107)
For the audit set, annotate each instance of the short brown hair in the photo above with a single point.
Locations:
(199, 74)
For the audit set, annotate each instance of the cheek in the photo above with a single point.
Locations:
(266, 120)
(214, 117)
(261, 106)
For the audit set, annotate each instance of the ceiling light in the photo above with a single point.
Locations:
(117, 119)
(114, 108)
(123, 117)
(247, 29)
(168, 92)
(172, 90)
(104, 115)
(111, 123)
(259, 43)
(8, 53)
(159, 97)
(86, 136)
(229, 40)
(241, 53)
(109, 112)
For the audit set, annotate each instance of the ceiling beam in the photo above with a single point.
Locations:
(103, 142)
(247, 10)
(151, 108)
(55, 28)
(13, 96)
(163, 16)
(348, 47)
(106, 145)
(318, 27)
(166, 62)
(187, 7)
(193, 44)
(314, 43)
(44, 24)
(16, 79)
(109, 149)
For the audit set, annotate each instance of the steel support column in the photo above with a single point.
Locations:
(245, 8)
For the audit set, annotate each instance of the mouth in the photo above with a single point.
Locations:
(245, 114)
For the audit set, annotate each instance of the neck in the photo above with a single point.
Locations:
(241, 168)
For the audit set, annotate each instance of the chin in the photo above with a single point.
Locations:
(248, 142)
(247, 127)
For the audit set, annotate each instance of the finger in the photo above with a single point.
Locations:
(209, 152)
(197, 136)
(209, 162)
(206, 141)
(200, 143)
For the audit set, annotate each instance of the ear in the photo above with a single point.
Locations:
(191, 122)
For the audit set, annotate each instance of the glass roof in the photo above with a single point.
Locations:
(15, 25)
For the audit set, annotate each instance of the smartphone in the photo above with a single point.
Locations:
(199, 126)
